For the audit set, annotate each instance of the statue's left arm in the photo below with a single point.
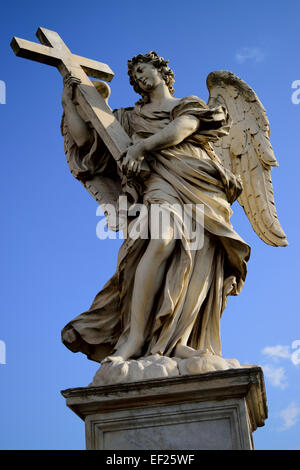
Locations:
(190, 117)
(174, 133)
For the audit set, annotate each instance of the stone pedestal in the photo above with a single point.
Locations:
(215, 410)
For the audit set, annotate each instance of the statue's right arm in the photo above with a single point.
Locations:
(78, 129)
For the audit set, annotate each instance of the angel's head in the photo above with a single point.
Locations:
(148, 70)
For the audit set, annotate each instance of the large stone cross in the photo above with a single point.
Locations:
(53, 51)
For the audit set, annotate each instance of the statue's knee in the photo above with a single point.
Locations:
(162, 247)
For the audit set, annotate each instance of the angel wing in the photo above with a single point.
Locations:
(247, 152)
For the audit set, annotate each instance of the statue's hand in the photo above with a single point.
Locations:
(70, 83)
(133, 158)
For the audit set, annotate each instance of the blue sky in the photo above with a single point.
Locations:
(52, 262)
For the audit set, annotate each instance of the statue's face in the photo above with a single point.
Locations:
(147, 76)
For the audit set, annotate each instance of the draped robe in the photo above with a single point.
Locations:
(191, 299)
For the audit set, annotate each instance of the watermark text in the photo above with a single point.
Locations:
(296, 94)
(2, 352)
(161, 221)
(2, 92)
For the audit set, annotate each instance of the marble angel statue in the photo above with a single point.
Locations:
(166, 300)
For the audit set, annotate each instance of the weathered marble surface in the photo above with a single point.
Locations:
(166, 297)
(216, 410)
(156, 366)
(165, 294)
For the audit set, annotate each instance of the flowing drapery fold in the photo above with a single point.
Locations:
(192, 297)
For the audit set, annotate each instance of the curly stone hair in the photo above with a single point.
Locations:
(159, 63)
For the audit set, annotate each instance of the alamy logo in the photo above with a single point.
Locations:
(295, 356)
(155, 221)
(2, 352)
(296, 94)
(2, 92)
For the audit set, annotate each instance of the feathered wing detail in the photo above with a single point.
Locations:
(247, 152)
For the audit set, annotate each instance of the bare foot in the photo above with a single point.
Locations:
(126, 351)
(112, 359)
(184, 352)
